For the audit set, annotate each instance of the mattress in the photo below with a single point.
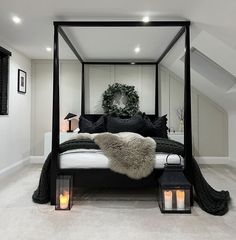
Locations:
(91, 158)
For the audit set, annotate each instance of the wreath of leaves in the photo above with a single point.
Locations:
(131, 106)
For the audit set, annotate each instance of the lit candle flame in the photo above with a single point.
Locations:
(168, 200)
(180, 195)
(64, 200)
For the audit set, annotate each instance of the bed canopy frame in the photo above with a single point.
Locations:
(185, 29)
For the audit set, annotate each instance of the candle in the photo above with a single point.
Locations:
(64, 200)
(180, 196)
(168, 200)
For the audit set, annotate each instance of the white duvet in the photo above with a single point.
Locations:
(92, 158)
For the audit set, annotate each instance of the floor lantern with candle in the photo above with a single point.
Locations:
(64, 187)
(174, 189)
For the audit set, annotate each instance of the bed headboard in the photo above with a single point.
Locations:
(95, 117)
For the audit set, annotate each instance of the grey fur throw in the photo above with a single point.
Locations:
(128, 153)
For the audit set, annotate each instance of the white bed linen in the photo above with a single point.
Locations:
(91, 158)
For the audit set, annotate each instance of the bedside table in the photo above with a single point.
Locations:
(176, 136)
(64, 136)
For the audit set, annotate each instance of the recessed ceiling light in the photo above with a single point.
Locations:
(132, 63)
(137, 49)
(48, 49)
(16, 20)
(146, 19)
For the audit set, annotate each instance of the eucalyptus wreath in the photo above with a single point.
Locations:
(128, 98)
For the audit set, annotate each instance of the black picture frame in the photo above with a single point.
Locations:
(22, 81)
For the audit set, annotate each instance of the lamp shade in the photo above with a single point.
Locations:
(70, 116)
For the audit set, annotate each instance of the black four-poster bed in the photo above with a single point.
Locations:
(210, 200)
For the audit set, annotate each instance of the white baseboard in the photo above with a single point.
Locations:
(14, 167)
(37, 159)
(232, 162)
(213, 160)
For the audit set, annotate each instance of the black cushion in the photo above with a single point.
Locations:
(134, 124)
(157, 128)
(88, 126)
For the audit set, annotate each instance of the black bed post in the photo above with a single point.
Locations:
(157, 92)
(82, 92)
(187, 108)
(55, 119)
(187, 102)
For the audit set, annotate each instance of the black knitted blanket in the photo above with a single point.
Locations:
(210, 200)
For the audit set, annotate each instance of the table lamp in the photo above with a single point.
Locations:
(69, 117)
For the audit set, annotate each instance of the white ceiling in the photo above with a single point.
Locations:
(36, 30)
(119, 43)
(213, 32)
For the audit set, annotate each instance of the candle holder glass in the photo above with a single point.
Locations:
(174, 190)
(64, 187)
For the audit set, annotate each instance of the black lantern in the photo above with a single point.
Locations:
(64, 192)
(69, 117)
(174, 190)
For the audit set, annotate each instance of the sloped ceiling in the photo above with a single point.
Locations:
(222, 54)
(213, 30)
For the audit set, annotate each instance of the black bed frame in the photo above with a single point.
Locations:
(103, 177)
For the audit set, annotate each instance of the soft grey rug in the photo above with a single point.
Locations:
(111, 215)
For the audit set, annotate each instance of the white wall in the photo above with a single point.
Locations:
(70, 96)
(209, 120)
(16, 126)
(98, 77)
(210, 137)
(97, 80)
(232, 136)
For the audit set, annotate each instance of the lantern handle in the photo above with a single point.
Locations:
(180, 160)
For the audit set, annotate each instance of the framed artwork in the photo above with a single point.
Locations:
(22, 77)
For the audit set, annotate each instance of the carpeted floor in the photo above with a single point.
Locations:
(101, 215)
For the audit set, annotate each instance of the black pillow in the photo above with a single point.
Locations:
(157, 128)
(88, 126)
(133, 124)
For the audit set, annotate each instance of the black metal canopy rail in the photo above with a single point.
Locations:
(185, 26)
(122, 24)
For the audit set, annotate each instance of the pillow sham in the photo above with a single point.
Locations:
(87, 126)
(133, 124)
(157, 128)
